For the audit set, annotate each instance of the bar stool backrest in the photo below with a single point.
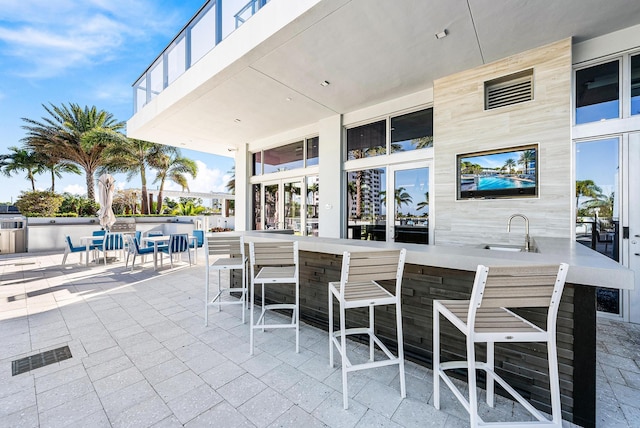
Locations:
(366, 266)
(232, 246)
(518, 287)
(274, 253)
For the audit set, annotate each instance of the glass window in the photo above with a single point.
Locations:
(229, 9)
(272, 216)
(597, 93)
(292, 206)
(156, 76)
(141, 93)
(312, 151)
(176, 62)
(412, 131)
(597, 221)
(313, 205)
(257, 163)
(411, 205)
(367, 140)
(283, 158)
(257, 204)
(203, 35)
(366, 208)
(635, 85)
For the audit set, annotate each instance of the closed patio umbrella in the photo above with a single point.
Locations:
(106, 187)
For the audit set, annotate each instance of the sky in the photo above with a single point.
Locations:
(87, 52)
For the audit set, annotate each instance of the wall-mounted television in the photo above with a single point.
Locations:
(503, 173)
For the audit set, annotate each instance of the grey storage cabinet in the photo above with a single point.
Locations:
(13, 235)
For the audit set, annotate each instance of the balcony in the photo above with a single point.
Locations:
(212, 24)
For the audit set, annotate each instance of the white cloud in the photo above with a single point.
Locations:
(75, 189)
(207, 180)
(50, 37)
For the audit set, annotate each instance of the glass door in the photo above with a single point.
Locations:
(272, 210)
(632, 307)
(597, 207)
(408, 208)
(282, 205)
(312, 206)
(292, 206)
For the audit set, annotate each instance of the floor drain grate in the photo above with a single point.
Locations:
(42, 359)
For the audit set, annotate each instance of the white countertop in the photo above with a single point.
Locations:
(587, 267)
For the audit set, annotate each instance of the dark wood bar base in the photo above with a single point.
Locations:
(524, 366)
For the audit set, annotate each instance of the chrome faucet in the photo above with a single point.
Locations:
(526, 229)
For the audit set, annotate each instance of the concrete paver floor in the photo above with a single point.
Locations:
(142, 357)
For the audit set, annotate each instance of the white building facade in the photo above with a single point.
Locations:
(331, 106)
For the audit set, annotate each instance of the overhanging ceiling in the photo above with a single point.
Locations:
(369, 50)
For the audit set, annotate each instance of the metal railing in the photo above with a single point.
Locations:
(209, 26)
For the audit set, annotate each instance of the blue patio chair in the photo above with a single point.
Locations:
(199, 234)
(178, 244)
(151, 234)
(99, 234)
(133, 248)
(199, 243)
(111, 242)
(70, 248)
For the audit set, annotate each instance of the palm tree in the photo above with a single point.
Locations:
(23, 160)
(231, 184)
(132, 157)
(170, 164)
(58, 167)
(423, 142)
(76, 134)
(588, 189)
(422, 205)
(526, 158)
(510, 163)
(188, 208)
(401, 197)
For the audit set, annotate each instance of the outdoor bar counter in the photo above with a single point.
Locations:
(447, 272)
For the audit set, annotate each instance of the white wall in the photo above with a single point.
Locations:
(45, 235)
(462, 126)
(331, 178)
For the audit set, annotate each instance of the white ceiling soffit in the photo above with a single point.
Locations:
(370, 51)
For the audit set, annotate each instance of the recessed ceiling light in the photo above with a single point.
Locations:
(324, 83)
(442, 34)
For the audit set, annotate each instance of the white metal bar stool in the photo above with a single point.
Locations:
(486, 319)
(358, 288)
(279, 265)
(225, 253)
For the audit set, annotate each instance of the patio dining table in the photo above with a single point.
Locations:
(88, 241)
(157, 241)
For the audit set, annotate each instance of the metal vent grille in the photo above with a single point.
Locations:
(508, 90)
(42, 359)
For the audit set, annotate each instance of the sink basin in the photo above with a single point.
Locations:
(512, 248)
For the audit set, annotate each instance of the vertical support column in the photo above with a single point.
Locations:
(584, 354)
(331, 212)
(242, 205)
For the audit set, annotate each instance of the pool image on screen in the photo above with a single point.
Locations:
(499, 173)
